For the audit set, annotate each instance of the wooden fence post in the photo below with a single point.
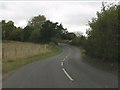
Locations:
(16, 53)
(45, 47)
(2, 53)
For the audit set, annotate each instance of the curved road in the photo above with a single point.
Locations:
(62, 71)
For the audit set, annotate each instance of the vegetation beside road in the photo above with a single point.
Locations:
(14, 63)
(102, 36)
(16, 50)
(99, 64)
(102, 41)
(39, 31)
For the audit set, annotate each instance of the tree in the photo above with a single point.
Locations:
(48, 31)
(7, 28)
(102, 41)
(36, 22)
(35, 36)
(26, 32)
(38, 30)
(78, 40)
(16, 34)
(32, 30)
(52, 32)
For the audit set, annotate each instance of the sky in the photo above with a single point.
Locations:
(74, 15)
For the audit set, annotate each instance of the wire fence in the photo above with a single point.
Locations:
(23, 51)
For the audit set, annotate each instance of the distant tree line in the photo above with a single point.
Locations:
(38, 30)
(103, 35)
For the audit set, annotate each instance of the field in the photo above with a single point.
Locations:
(17, 50)
(17, 54)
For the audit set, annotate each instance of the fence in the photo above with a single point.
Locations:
(23, 51)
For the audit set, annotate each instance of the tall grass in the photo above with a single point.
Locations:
(17, 50)
(18, 54)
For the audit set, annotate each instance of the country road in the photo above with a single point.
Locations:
(66, 70)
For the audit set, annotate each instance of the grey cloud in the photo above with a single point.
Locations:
(73, 15)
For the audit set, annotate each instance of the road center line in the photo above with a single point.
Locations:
(66, 56)
(63, 59)
(67, 74)
(61, 63)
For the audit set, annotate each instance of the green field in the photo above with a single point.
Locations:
(17, 54)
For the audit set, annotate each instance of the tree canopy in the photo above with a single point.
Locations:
(102, 41)
(38, 30)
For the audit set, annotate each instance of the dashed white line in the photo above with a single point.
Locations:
(61, 63)
(63, 59)
(66, 56)
(65, 70)
(67, 74)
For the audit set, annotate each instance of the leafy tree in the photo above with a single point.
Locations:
(36, 22)
(7, 27)
(32, 30)
(102, 41)
(26, 32)
(52, 32)
(48, 31)
(35, 36)
(38, 30)
(78, 40)
(16, 34)
(71, 36)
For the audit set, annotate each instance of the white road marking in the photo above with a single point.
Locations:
(65, 70)
(66, 56)
(63, 59)
(67, 74)
(61, 63)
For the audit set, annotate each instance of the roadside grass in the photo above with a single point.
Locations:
(100, 64)
(9, 65)
(13, 50)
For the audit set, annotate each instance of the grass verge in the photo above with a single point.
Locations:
(14, 64)
(100, 64)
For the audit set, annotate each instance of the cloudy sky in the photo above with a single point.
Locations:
(74, 15)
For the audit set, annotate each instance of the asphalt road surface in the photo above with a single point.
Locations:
(66, 70)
